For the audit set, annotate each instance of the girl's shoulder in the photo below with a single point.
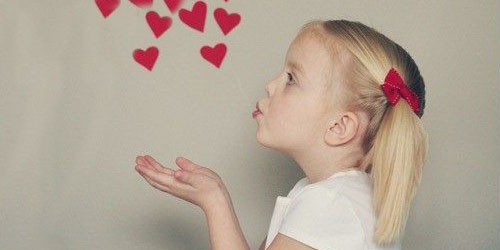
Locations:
(353, 183)
(351, 188)
(298, 187)
(321, 217)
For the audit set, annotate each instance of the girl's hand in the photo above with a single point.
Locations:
(193, 183)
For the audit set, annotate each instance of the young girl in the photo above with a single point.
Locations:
(346, 107)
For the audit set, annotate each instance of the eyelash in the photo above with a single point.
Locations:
(289, 74)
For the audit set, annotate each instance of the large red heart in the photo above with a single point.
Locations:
(158, 24)
(146, 58)
(107, 6)
(195, 18)
(226, 22)
(214, 55)
(173, 5)
(142, 3)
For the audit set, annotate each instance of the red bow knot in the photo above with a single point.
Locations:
(395, 87)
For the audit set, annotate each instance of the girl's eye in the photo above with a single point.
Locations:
(290, 77)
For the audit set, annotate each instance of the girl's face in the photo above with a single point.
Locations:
(294, 114)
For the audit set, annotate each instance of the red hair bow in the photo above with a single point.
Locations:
(395, 87)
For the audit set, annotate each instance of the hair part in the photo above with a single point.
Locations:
(395, 142)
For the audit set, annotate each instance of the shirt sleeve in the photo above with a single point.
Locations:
(324, 220)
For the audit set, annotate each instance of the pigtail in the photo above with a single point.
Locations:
(397, 160)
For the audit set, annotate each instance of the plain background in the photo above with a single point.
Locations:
(76, 110)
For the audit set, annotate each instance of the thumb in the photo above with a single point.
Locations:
(186, 177)
(186, 164)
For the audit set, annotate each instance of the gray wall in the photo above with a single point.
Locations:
(76, 109)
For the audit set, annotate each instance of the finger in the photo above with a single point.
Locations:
(157, 185)
(145, 164)
(156, 165)
(163, 179)
(140, 160)
(191, 178)
(151, 161)
(186, 164)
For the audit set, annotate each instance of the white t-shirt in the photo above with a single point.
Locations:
(335, 213)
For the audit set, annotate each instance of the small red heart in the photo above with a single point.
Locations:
(158, 24)
(142, 3)
(214, 55)
(107, 6)
(173, 5)
(195, 18)
(226, 22)
(146, 58)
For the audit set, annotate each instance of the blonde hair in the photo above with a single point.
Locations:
(395, 142)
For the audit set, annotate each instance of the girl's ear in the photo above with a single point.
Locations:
(333, 132)
(342, 130)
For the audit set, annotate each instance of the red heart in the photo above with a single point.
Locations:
(146, 58)
(107, 6)
(158, 24)
(173, 5)
(226, 22)
(142, 3)
(214, 55)
(195, 18)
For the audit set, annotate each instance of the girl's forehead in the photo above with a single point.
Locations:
(307, 55)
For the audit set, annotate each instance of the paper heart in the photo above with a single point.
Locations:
(146, 58)
(195, 18)
(107, 6)
(225, 21)
(142, 3)
(158, 24)
(173, 5)
(214, 55)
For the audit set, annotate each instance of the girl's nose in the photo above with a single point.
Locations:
(268, 89)
(270, 86)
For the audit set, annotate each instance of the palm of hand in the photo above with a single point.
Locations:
(193, 183)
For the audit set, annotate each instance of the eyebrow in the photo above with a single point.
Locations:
(298, 67)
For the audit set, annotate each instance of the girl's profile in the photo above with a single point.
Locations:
(346, 107)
